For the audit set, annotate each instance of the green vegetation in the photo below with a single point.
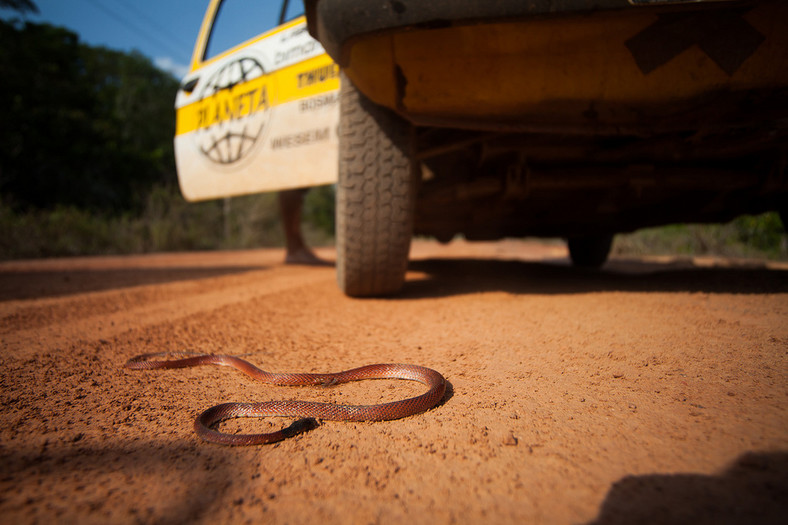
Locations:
(80, 126)
(166, 223)
(761, 236)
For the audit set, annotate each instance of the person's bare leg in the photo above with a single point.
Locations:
(291, 202)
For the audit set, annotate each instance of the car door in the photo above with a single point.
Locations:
(259, 109)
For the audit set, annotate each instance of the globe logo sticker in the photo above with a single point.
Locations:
(232, 111)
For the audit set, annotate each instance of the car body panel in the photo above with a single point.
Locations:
(262, 116)
(601, 70)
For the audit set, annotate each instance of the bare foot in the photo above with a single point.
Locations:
(305, 257)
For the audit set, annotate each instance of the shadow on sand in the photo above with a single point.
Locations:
(447, 277)
(15, 285)
(753, 490)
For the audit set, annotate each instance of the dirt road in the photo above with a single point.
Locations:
(654, 391)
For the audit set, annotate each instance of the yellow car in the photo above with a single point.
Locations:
(573, 118)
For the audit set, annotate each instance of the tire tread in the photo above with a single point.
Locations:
(375, 197)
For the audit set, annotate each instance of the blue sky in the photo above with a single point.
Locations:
(164, 30)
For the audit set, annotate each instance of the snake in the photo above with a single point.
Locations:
(309, 412)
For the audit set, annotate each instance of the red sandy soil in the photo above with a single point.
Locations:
(653, 391)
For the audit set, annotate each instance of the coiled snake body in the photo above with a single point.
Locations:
(304, 409)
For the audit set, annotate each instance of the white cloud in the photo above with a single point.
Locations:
(168, 64)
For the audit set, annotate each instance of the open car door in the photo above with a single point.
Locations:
(258, 110)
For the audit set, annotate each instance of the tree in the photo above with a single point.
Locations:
(80, 125)
(21, 6)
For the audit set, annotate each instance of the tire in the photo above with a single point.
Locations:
(591, 251)
(376, 196)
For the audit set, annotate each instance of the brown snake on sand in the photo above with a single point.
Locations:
(311, 411)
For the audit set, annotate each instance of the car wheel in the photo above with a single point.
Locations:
(590, 251)
(376, 196)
